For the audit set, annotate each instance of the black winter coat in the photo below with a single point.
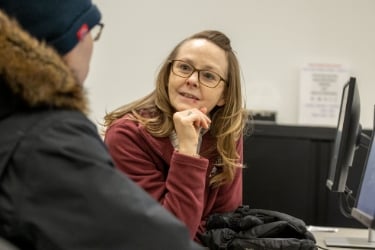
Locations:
(58, 186)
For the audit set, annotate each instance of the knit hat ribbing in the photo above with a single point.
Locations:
(59, 23)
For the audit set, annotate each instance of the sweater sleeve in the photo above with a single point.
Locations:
(181, 190)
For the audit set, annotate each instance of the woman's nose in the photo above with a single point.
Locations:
(193, 79)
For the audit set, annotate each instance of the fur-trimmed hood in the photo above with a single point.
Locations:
(34, 73)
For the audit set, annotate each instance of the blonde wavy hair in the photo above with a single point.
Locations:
(228, 121)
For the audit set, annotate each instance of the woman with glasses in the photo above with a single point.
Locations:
(182, 143)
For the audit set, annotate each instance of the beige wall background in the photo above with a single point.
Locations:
(272, 38)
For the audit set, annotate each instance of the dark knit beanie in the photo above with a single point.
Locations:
(60, 23)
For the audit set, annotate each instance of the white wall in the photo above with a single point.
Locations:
(273, 38)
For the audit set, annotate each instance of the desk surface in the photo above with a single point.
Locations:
(342, 232)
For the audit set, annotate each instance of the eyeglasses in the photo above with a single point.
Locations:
(96, 31)
(205, 77)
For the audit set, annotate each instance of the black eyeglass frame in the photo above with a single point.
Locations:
(197, 70)
(97, 36)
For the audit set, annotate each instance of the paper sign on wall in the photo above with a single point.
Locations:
(320, 93)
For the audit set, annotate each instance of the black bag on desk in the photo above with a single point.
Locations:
(256, 229)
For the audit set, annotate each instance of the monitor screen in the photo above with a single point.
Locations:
(347, 137)
(364, 208)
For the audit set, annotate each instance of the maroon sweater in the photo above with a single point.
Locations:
(179, 182)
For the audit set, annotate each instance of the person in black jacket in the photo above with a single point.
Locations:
(58, 186)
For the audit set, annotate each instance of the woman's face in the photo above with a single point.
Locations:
(187, 93)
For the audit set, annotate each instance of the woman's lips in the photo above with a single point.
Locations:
(190, 96)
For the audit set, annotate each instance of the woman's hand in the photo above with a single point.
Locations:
(188, 125)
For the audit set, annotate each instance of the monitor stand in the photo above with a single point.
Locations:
(352, 242)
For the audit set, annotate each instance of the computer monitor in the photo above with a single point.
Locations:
(347, 137)
(364, 208)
